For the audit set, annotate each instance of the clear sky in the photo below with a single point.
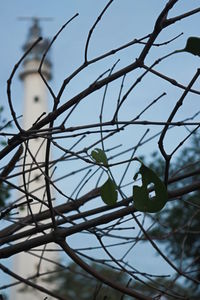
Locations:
(124, 21)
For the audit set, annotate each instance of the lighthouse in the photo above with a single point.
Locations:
(35, 264)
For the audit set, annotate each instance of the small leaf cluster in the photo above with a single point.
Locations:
(99, 156)
(108, 190)
(141, 195)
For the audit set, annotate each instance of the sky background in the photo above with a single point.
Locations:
(124, 21)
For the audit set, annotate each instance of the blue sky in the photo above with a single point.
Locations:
(124, 21)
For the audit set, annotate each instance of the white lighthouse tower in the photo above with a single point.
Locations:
(32, 264)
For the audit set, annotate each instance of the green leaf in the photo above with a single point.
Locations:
(193, 45)
(108, 192)
(142, 200)
(99, 156)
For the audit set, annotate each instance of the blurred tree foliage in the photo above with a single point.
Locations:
(74, 283)
(177, 226)
(4, 189)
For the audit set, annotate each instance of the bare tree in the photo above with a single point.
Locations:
(98, 206)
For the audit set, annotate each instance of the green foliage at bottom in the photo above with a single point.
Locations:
(74, 283)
